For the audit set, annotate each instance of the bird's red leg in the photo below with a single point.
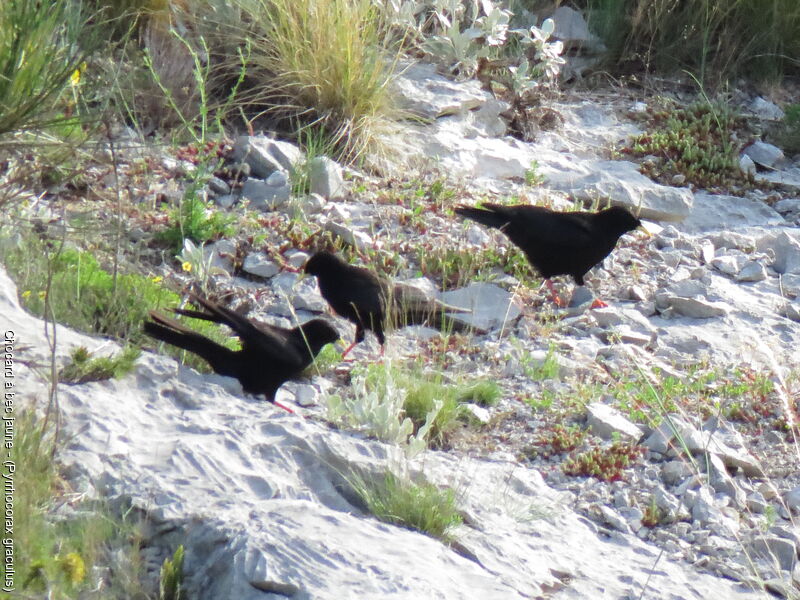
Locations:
(556, 298)
(350, 347)
(283, 406)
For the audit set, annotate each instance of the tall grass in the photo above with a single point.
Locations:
(714, 40)
(327, 62)
(41, 46)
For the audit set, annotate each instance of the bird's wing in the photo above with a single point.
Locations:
(270, 340)
(365, 292)
(556, 231)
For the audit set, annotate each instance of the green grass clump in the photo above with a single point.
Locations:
(483, 393)
(699, 142)
(327, 62)
(55, 555)
(421, 507)
(41, 46)
(788, 135)
(171, 577)
(197, 220)
(716, 40)
(84, 368)
(457, 268)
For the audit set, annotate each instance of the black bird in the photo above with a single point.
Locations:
(373, 302)
(269, 357)
(557, 243)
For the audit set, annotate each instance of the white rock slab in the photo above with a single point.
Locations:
(716, 212)
(622, 182)
(259, 499)
(492, 306)
(422, 91)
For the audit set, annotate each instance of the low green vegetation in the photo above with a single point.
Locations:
(605, 463)
(84, 368)
(700, 143)
(406, 405)
(55, 553)
(651, 514)
(419, 506)
(717, 41)
(171, 577)
(788, 134)
(483, 393)
(457, 267)
(72, 287)
(557, 439)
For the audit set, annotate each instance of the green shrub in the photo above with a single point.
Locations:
(700, 142)
(84, 368)
(421, 507)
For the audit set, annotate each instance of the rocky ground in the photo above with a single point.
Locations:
(690, 373)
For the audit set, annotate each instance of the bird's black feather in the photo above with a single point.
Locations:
(557, 243)
(269, 356)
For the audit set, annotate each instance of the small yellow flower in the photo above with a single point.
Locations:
(42, 295)
(26, 294)
(73, 567)
(157, 279)
(186, 266)
(75, 78)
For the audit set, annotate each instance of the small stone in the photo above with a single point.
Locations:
(325, 178)
(752, 270)
(764, 154)
(352, 236)
(729, 264)
(765, 109)
(296, 258)
(774, 548)
(218, 186)
(792, 499)
(675, 472)
(612, 518)
(756, 502)
(787, 254)
(264, 196)
(607, 422)
(260, 265)
(746, 165)
(698, 308)
(667, 503)
(791, 310)
(225, 201)
(265, 155)
(479, 413)
(311, 204)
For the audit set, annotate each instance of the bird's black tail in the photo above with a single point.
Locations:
(171, 332)
(484, 216)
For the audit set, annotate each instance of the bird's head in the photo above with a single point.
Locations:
(620, 220)
(322, 262)
(318, 333)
